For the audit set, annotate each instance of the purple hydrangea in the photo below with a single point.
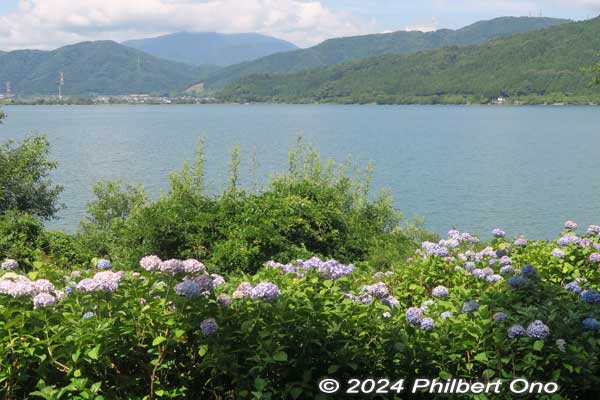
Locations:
(224, 300)
(478, 273)
(590, 296)
(505, 260)
(507, 270)
(217, 280)
(494, 278)
(585, 242)
(558, 253)
(193, 266)
(590, 324)
(521, 242)
(470, 306)
(487, 271)
(573, 287)
(470, 266)
(205, 283)
(150, 263)
(427, 324)
(595, 257)
(42, 286)
(103, 264)
(243, 291)
(9, 264)
(569, 238)
(265, 291)
(188, 288)
(379, 290)
(43, 300)
(498, 233)
(390, 301)
(538, 330)
(414, 315)
(440, 292)
(516, 331)
(499, 316)
(426, 304)
(209, 327)
(594, 230)
(571, 225)
(171, 266)
(446, 315)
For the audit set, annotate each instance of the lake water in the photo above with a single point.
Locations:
(524, 169)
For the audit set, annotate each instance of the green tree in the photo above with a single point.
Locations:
(2, 115)
(25, 183)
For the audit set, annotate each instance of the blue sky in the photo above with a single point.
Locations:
(46, 24)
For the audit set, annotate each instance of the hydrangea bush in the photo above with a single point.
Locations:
(459, 307)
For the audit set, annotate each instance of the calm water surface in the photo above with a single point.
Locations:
(525, 169)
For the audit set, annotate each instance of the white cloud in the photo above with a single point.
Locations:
(424, 27)
(47, 24)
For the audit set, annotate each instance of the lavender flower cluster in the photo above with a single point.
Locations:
(173, 266)
(330, 269)
(105, 281)
(42, 292)
(9, 264)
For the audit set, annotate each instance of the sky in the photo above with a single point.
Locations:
(48, 24)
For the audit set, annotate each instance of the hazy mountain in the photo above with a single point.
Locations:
(102, 67)
(336, 51)
(540, 63)
(211, 48)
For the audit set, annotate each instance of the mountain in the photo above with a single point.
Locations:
(535, 63)
(336, 51)
(102, 67)
(200, 48)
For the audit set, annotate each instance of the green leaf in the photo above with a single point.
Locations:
(280, 356)
(202, 350)
(481, 357)
(93, 353)
(538, 345)
(296, 392)
(158, 340)
(260, 384)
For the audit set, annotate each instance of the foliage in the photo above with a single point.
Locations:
(20, 234)
(144, 340)
(347, 49)
(543, 64)
(102, 67)
(25, 183)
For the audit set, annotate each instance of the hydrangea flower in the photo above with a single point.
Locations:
(571, 225)
(458, 268)
(585, 242)
(595, 257)
(519, 282)
(43, 300)
(224, 300)
(243, 290)
(21, 288)
(528, 271)
(507, 270)
(590, 296)
(558, 253)
(446, 315)
(470, 306)
(498, 233)
(521, 242)
(379, 290)
(193, 266)
(470, 266)
(188, 288)
(387, 314)
(573, 287)
(516, 331)
(487, 271)
(494, 278)
(9, 264)
(209, 327)
(426, 304)
(478, 273)
(440, 292)
(42, 286)
(87, 315)
(205, 283)
(505, 260)
(560, 345)
(103, 264)
(427, 324)
(266, 291)
(590, 324)
(414, 315)
(569, 238)
(499, 316)
(594, 230)
(150, 263)
(217, 280)
(390, 301)
(171, 266)
(538, 330)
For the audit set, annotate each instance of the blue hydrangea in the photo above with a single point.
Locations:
(590, 324)
(87, 315)
(573, 287)
(266, 291)
(209, 327)
(440, 291)
(590, 296)
(528, 271)
(103, 264)
(470, 306)
(538, 330)
(499, 316)
(516, 331)
(414, 315)
(518, 282)
(446, 315)
(188, 288)
(427, 324)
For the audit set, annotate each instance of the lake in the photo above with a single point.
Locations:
(524, 169)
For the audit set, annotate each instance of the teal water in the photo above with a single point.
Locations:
(524, 169)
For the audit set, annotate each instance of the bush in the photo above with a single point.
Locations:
(19, 236)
